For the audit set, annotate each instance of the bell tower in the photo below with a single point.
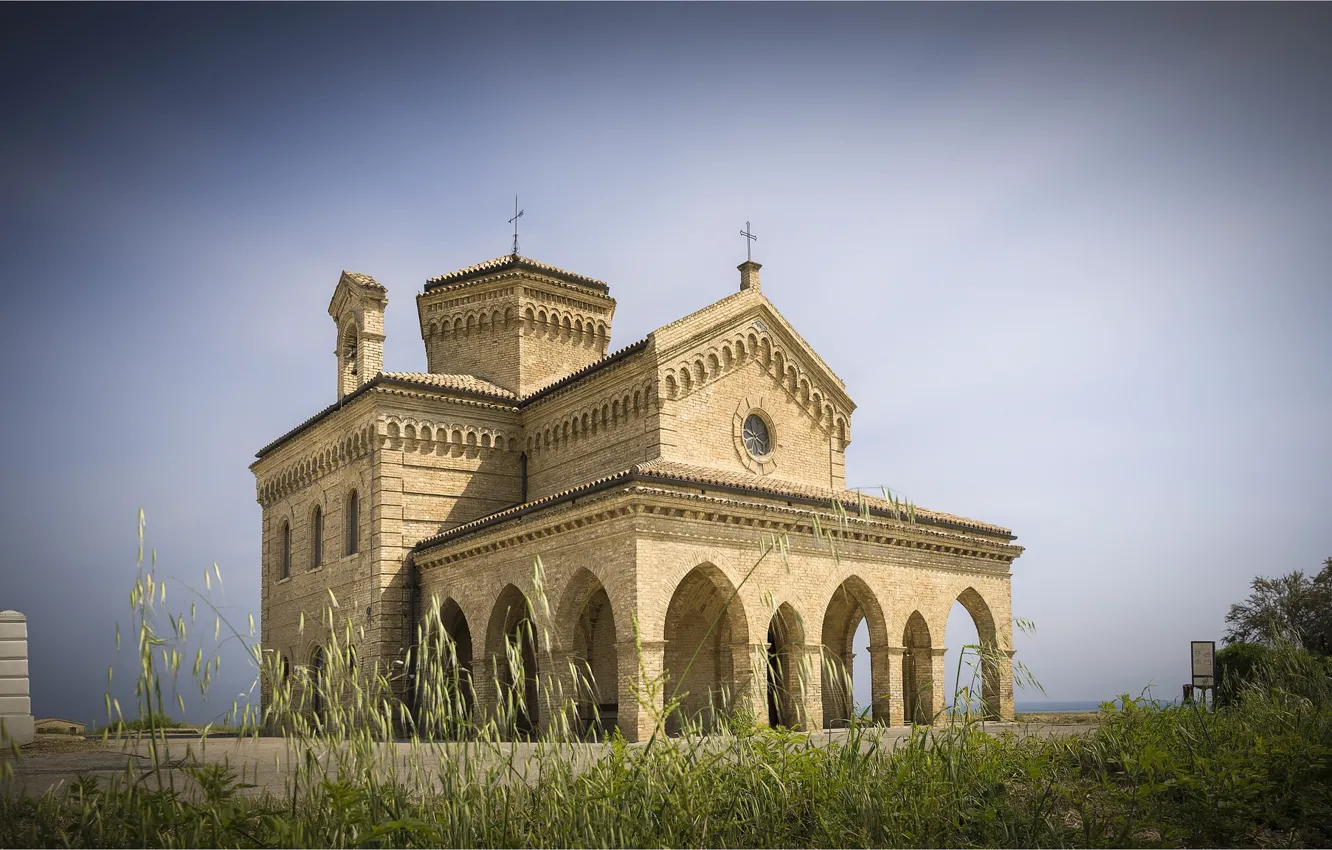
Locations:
(513, 321)
(357, 310)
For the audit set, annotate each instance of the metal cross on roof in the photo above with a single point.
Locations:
(517, 214)
(750, 239)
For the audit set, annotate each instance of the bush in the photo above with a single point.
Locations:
(1286, 668)
(1235, 667)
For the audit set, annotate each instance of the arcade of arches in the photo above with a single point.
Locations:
(779, 643)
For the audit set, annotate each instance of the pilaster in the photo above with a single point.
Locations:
(810, 689)
(886, 685)
(641, 700)
(938, 689)
(750, 680)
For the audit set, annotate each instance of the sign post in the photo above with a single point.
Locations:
(1204, 665)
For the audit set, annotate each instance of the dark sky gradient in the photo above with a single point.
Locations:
(1071, 260)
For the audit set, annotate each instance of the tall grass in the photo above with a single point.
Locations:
(397, 757)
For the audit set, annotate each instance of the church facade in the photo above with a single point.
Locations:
(646, 480)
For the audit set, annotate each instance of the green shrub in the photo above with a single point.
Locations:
(1235, 666)
(1289, 669)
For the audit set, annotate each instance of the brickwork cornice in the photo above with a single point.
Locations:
(315, 462)
(868, 534)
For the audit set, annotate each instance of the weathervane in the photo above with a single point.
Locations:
(517, 214)
(750, 239)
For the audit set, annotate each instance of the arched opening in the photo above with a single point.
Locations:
(350, 541)
(705, 631)
(443, 698)
(317, 537)
(786, 644)
(597, 693)
(513, 644)
(317, 683)
(350, 350)
(851, 686)
(285, 555)
(971, 665)
(917, 672)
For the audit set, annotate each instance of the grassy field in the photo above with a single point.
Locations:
(1258, 773)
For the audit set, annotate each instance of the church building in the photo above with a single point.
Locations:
(646, 479)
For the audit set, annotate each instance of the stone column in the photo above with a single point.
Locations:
(749, 679)
(638, 720)
(998, 686)
(555, 689)
(485, 688)
(886, 685)
(938, 689)
(810, 694)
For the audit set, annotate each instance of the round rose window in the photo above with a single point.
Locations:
(756, 436)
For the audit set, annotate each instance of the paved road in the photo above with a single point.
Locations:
(55, 761)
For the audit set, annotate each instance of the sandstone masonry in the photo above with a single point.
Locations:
(652, 482)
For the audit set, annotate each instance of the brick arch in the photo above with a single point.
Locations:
(512, 622)
(704, 628)
(918, 687)
(987, 633)
(851, 601)
(588, 628)
(449, 624)
(785, 639)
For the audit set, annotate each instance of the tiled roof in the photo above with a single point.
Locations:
(466, 383)
(595, 366)
(363, 280)
(513, 261)
(671, 471)
(698, 474)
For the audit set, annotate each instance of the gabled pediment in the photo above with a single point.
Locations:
(739, 330)
(355, 289)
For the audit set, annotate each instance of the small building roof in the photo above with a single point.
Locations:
(465, 383)
(514, 261)
(660, 470)
(364, 280)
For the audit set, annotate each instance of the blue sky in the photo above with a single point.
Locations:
(1072, 262)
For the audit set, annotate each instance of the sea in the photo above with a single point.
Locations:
(1056, 706)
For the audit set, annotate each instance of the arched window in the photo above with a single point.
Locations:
(285, 556)
(317, 537)
(353, 514)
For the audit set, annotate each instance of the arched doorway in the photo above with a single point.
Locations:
(786, 646)
(317, 683)
(853, 622)
(512, 644)
(917, 672)
(705, 632)
(440, 673)
(981, 658)
(594, 656)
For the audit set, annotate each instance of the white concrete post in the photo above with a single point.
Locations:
(15, 703)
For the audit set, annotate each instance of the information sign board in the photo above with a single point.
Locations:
(1204, 663)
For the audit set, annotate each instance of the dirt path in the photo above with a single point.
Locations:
(49, 764)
